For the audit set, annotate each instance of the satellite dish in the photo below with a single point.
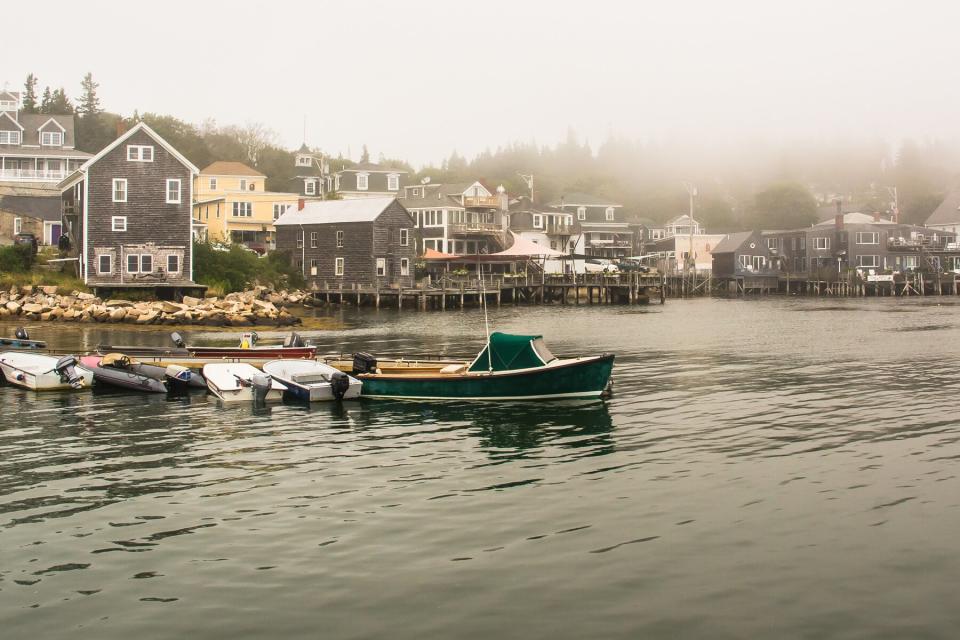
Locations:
(425, 180)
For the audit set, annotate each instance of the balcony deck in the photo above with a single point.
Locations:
(31, 175)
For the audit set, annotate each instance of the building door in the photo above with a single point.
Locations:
(55, 233)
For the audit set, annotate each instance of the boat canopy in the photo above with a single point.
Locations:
(508, 352)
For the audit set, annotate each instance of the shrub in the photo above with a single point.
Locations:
(237, 268)
(17, 258)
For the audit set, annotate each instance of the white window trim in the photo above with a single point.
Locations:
(137, 153)
(404, 237)
(213, 184)
(745, 260)
(109, 269)
(113, 185)
(314, 240)
(115, 219)
(874, 234)
(366, 182)
(54, 135)
(148, 257)
(817, 243)
(310, 187)
(170, 182)
(339, 267)
(581, 213)
(243, 184)
(12, 137)
(177, 257)
(135, 257)
(537, 221)
(17, 225)
(303, 161)
(300, 234)
(244, 210)
(610, 214)
(874, 258)
(381, 267)
(339, 239)
(393, 182)
(404, 266)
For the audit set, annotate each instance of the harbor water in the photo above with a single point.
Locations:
(777, 468)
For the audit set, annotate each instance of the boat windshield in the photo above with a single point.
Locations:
(541, 348)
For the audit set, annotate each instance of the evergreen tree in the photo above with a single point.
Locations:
(89, 102)
(60, 103)
(30, 94)
(366, 155)
(46, 100)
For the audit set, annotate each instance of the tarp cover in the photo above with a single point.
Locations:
(508, 352)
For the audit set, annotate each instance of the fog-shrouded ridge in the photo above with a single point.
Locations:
(623, 99)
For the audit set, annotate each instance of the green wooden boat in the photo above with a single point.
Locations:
(510, 367)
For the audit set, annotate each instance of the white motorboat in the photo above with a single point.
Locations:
(39, 372)
(241, 382)
(313, 381)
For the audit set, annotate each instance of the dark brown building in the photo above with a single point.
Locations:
(127, 214)
(364, 242)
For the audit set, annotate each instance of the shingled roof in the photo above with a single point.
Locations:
(949, 210)
(338, 211)
(225, 168)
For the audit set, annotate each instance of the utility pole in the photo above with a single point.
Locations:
(691, 192)
(896, 203)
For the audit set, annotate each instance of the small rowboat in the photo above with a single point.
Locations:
(118, 370)
(237, 382)
(313, 381)
(39, 372)
(21, 340)
(294, 347)
(510, 367)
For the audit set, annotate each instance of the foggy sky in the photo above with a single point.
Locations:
(417, 79)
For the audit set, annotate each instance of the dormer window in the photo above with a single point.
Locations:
(243, 184)
(8, 105)
(139, 153)
(303, 161)
(581, 213)
(9, 137)
(51, 139)
(609, 214)
(362, 181)
(393, 182)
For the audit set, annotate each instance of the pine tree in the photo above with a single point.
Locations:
(30, 95)
(60, 103)
(366, 155)
(45, 101)
(89, 102)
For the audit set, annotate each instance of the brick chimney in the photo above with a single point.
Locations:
(301, 203)
(838, 219)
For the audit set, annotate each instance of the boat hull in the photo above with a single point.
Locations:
(39, 377)
(223, 381)
(316, 390)
(17, 343)
(135, 378)
(571, 378)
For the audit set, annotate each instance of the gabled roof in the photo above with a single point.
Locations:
(54, 121)
(333, 211)
(732, 242)
(6, 95)
(855, 217)
(432, 201)
(683, 218)
(43, 207)
(575, 199)
(70, 180)
(949, 210)
(225, 168)
(6, 114)
(371, 166)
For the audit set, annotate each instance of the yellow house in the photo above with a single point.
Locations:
(230, 204)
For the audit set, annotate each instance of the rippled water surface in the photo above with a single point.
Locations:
(776, 468)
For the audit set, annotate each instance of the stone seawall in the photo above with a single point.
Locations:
(260, 306)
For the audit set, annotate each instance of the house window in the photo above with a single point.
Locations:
(758, 262)
(133, 263)
(803, 243)
(173, 191)
(313, 267)
(242, 209)
(909, 262)
(300, 239)
(104, 264)
(581, 213)
(381, 267)
(339, 239)
(139, 153)
(393, 182)
(821, 243)
(537, 221)
(146, 264)
(17, 225)
(868, 237)
(404, 266)
(309, 187)
(744, 261)
(313, 239)
(9, 137)
(51, 139)
(213, 184)
(243, 184)
(279, 209)
(362, 181)
(303, 161)
(609, 213)
(253, 185)
(338, 267)
(336, 183)
(173, 263)
(118, 223)
(868, 261)
(772, 243)
(404, 237)
(119, 189)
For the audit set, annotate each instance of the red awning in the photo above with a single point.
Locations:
(433, 254)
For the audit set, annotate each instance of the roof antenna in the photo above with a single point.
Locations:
(304, 129)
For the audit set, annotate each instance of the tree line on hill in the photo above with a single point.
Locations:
(751, 186)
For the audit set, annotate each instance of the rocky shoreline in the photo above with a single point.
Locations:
(256, 307)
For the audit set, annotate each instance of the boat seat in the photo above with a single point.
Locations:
(116, 360)
(454, 368)
(309, 378)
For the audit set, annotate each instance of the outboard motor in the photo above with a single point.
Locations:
(339, 385)
(178, 340)
(261, 386)
(294, 340)
(65, 368)
(21, 334)
(364, 363)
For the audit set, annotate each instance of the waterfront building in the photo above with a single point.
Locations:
(34, 147)
(546, 227)
(603, 230)
(463, 218)
(743, 260)
(127, 214)
(360, 242)
(312, 177)
(36, 214)
(369, 180)
(231, 205)
(946, 217)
